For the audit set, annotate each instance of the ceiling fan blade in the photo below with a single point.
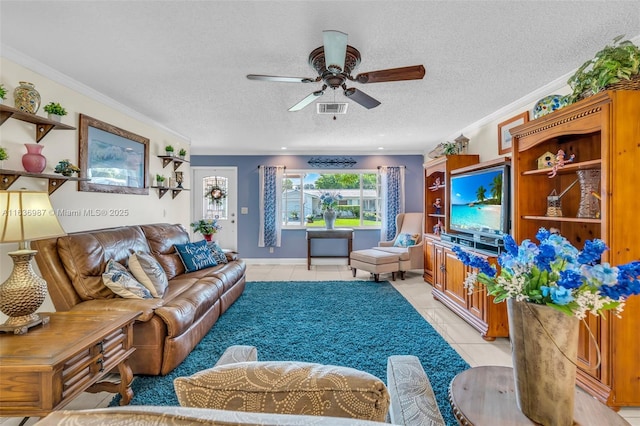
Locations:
(415, 72)
(335, 50)
(362, 98)
(280, 79)
(306, 101)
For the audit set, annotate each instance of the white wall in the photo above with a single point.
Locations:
(62, 144)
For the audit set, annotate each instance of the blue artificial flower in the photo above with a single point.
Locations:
(510, 245)
(559, 295)
(542, 235)
(565, 272)
(592, 251)
(570, 279)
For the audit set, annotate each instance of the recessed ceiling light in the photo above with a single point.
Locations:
(380, 147)
(284, 147)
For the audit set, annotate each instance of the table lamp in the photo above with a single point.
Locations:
(24, 216)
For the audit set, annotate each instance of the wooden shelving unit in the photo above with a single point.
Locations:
(602, 132)
(168, 159)
(164, 189)
(43, 125)
(8, 177)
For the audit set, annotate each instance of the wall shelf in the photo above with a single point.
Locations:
(8, 177)
(177, 161)
(164, 189)
(43, 125)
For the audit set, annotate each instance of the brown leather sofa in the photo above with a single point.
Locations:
(169, 327)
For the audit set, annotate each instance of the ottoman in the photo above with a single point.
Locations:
(375, 261)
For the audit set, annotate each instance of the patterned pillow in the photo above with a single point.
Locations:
(406, 240)
(218, 254)
(284, 387)
(122, 283)
(146, 269)
(196, 256)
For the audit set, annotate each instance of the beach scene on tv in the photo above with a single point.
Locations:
(476, 202)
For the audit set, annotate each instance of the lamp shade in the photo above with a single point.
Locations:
(335, 50)
(27, 215)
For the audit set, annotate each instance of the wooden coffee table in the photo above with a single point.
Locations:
(43, 370)
(487, 396)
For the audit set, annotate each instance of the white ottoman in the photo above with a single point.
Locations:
(375, 261)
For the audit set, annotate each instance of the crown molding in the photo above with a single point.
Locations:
(63, 79)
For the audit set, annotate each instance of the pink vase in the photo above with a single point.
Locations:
(33, 161)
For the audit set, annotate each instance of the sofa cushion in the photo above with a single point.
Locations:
(162, 238)
(218, 253)
(122, 283)
(405, 240)
(284, 387)
(146, 269)
(196, 256)
(84, 256)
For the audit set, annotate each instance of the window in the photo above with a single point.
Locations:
(215, 193)
(357, 198)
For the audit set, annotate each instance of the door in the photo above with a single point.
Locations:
(215, 196)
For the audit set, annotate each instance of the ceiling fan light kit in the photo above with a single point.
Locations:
(334, 62)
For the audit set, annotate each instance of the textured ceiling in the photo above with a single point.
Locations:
(183, 63)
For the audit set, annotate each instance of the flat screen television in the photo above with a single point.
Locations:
(480, 202)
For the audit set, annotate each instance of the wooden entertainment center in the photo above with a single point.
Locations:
(602, 132)
(442, 268)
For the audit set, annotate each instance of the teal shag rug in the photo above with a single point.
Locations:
(356, 324)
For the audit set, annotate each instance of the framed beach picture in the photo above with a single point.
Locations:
(504, 137)
(114, 159)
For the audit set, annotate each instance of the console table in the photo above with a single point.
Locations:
(337, 233)
(43, 370)
(486, 396)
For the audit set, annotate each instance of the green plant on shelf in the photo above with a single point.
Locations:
(3, 154)
(182, 152)
(3, 92)
(55, 109)
(169, 149)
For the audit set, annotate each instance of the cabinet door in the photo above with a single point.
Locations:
(476, 300)
(455, 272)
(439, 272)
(429, 260)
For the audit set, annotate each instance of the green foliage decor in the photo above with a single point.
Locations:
(614, 63)
(182, 152)
(3, 91)
(206, 226)
(160, 178)
(168, 148)
(3, 154)
(55, 108)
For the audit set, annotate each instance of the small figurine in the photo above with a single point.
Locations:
(560, 162)
(438, 206)
(437, 228)
(436, 184)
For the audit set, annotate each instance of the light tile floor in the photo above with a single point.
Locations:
(462, 337)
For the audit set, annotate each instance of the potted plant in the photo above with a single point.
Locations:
(169, 150)
(160, 180)
(55, 111)
(3, 93)
(182, 153)
(66, 168)
(207, 227)
(616, 64)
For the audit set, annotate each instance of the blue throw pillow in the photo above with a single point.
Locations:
(196, 256)
(218, 253)
(406, 240)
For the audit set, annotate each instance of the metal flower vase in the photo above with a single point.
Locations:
(329, 218)
(544, 345)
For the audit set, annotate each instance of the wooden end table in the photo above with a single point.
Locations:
(43, 370)
(487, 396)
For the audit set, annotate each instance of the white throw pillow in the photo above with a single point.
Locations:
(122, 283)
(146, 269)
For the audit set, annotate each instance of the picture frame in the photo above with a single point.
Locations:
(504, 137)
(115, 160)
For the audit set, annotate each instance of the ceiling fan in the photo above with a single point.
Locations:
(334, 62)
